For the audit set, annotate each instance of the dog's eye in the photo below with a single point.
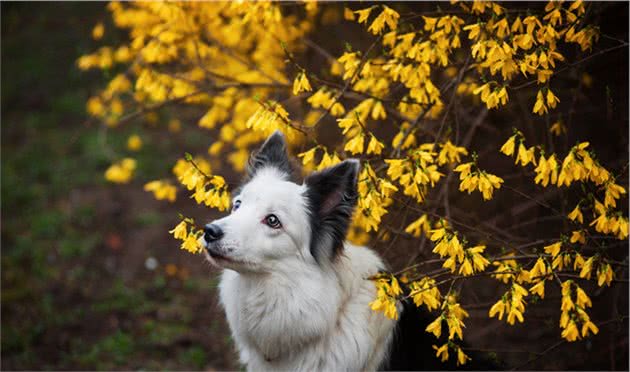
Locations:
(237, 203)
(272, 221)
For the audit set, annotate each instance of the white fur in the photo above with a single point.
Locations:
(286, 311)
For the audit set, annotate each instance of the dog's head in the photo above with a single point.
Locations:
(275, 221)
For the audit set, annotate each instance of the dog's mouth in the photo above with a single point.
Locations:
(218, 256)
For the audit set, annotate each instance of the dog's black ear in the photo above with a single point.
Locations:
(272, 153)
(331, 195)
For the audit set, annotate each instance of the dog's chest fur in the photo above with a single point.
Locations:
(308, 317)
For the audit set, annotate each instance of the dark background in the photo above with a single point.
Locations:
(76, 289)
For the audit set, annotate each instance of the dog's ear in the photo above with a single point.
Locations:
(272, 153)
(331, 195)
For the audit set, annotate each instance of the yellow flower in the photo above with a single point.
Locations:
(604, 275)
(578, 236)
(191, 244)
(508, 146)
(98, 31)
(384, 303)
(355, 145)
(553, 249)
(337, 109)
(587, 267)
(95, 106)
(388, 16)
(488, 183)
(576, 214)
(582, 299)
(134, 143)
(450, 153)
(589, 326)
(525, 156)
(498, 308)
(346, 124)
(121, 172)
(473, 30)
(348, 15)
(523, 41)
(466, 268)
(162, 190)
(429, 23)
(613, 192)
(425, 292)
(215, 148)
(579, 261)
(571, 332)
(418, 226)
(539, 106)
(308, 156)
(441, 352)
(363, 14)
(539, 269)
(547, 170)
(479, 262)
(461, 357)
(374, 146)
(539, 289)
(435, 327)
(513, 315)
(558, 128)
(464, 170)
(378, 111)
(301, 84)
(394, 288)
(180, 231)
(552, 100)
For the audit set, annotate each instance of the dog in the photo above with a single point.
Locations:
(295, 293)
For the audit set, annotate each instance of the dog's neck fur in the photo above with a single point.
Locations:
(285, 309)
(280, 320)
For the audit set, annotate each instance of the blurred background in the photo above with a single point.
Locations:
(91, 279)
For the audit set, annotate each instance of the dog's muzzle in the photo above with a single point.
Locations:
(212, 233)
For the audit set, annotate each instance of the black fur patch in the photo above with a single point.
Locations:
(331, 195)
(412, 347)
(272, 153)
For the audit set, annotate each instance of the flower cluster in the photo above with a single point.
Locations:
(511, 303)
(189, 235)
(162, 190)
(453, 314)
(573, 312)
(468, 260)
(374, 197)
(387, 292)
(122, 171)
(579, 165)
(475, 179)
(425, 292)
(210, 190)
(506, 45)
(417, 172)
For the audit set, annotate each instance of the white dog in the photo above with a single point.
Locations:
(295, 293)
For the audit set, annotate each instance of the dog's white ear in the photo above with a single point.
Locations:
(272, 153)
(331, 195)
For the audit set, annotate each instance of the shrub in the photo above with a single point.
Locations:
(420, 93)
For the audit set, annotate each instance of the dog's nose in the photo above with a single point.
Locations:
(212, 233)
